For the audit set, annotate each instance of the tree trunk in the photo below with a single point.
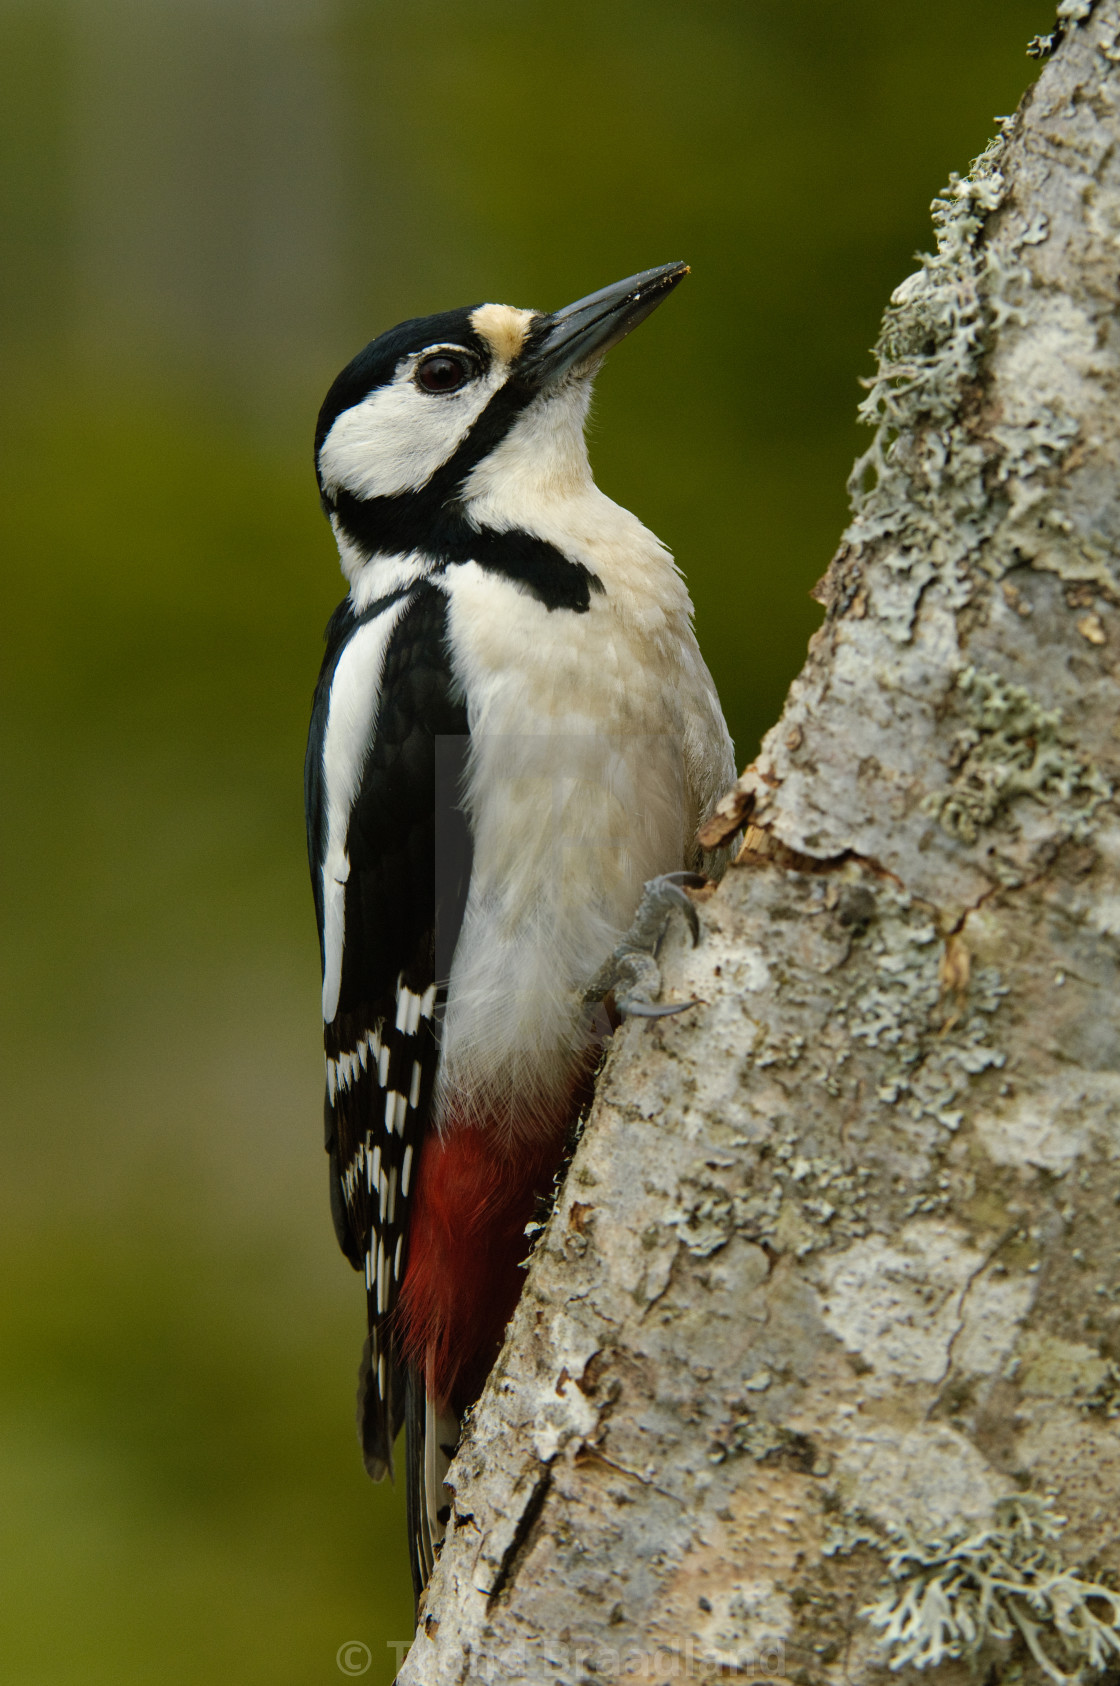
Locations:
(819, 1347)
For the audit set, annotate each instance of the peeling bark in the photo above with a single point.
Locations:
(822, 1339)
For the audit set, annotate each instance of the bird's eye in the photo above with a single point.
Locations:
(444, 371)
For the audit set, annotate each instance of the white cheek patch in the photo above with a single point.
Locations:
(396, 439)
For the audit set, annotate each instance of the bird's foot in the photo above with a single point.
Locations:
(631, 973)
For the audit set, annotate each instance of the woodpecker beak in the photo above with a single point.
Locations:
(583, 332)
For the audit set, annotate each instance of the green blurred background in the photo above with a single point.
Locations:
(207, 206)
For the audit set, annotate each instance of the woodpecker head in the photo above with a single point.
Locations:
(414, 431)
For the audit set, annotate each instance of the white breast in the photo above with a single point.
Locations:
(596, 743)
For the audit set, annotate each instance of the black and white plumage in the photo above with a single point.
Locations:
(375, 846)
(512, 732)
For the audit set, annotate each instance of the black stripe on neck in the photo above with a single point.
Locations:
(432, 520)
(448, 537)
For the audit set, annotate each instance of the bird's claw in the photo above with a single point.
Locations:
(632, 972)
(631, 1008)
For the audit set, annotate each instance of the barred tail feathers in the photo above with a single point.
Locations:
(431, 1436)
(380, 1405)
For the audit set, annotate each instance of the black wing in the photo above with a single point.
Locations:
(409, 863)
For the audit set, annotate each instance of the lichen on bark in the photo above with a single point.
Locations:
(836, 1256)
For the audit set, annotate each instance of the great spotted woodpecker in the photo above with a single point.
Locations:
(513, 731)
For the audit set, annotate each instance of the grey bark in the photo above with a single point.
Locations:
(815, 1371)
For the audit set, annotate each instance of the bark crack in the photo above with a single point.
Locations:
(507, 1568)
(969, 1283)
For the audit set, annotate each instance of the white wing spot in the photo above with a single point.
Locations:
(414, 1090)
(406, 1169)
(409, 1008)
(381, 1299)
(383, 1067)
(428, 1002)
(332, 1079)
(352, 1174)
(397, 1258)
(392, 1194)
